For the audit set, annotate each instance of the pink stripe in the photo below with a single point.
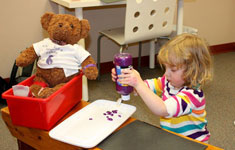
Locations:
(163, 81)
(195, 101)
(178, 107)
(206, 138)
(164, 97)
(147, 83)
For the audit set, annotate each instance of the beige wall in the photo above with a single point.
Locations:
(215, 19)
(20, 26)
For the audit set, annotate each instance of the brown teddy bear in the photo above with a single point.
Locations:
(60, 58)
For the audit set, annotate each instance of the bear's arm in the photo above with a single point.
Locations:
(26, 57)
(91, 72)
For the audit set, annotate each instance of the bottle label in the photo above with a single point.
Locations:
(119, 71)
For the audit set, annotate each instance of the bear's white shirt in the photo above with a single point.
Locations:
(51, 55)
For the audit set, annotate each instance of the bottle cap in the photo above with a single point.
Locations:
(126, 97)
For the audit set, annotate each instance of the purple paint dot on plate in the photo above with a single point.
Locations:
(110, 119)
(119, 116)
(115, 111)
(90, 118)
(108, 112)
(104, 113)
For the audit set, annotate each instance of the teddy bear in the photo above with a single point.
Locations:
(59, 57)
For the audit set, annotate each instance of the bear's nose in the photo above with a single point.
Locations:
(60, 24)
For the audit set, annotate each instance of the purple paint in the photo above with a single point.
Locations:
(114, 111)
(122, 61)
(110, 114)
(110, 119)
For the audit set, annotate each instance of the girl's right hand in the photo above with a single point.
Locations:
(114, 75)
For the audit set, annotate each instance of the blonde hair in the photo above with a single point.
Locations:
(189, 51)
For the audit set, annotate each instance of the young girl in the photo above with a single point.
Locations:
(177, 96)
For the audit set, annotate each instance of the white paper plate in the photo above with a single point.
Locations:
(90, 125)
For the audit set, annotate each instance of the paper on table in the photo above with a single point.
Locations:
(89, 126)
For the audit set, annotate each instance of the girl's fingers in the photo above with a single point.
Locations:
(113, 79)
(125, 71)
(113, 71)
(123, 75)
(123, 81)
(113, 74)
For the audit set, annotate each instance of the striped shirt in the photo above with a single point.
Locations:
(186, 109)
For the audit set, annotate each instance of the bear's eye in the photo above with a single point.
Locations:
(60, 24)
(71, 25)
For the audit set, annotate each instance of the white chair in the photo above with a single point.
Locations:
(144, 20)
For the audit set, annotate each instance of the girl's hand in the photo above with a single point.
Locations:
(130, 77)
(114, 75)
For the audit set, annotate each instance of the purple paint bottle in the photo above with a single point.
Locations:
(123, 61)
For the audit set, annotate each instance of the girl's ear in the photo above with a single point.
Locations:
(85, 28)
(45, 20)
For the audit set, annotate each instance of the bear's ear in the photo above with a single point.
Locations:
(45, 19)
(85, 28)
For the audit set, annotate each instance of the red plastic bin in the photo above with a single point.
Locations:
(43, 113)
